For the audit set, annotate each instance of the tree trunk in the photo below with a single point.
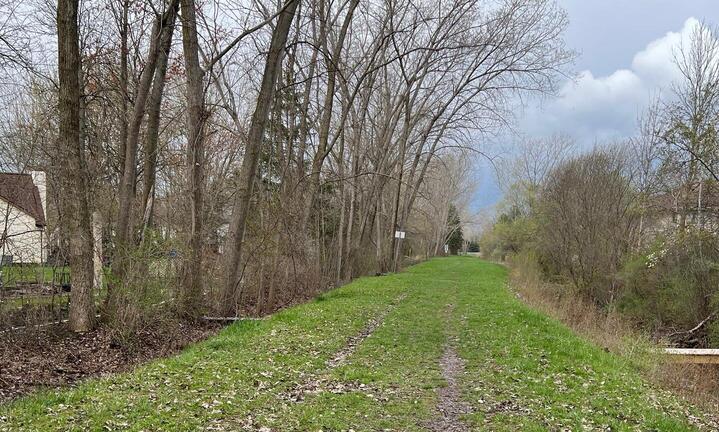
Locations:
(149, 171)
(124, 238)
(343, 211)
(269, 304)
(304, 120)
(97, 261)
(248, 170)
(74, 202)
(190, 296)
(323, 148)
(394, 249)
(124, 29)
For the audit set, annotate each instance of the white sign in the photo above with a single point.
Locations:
(446, 248)
(399, 234)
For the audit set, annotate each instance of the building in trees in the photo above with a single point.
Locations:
(693, 205)
(23, 209)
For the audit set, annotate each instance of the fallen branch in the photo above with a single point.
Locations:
(697, 327)
(47, 324)
(12, 329)
(231, 319)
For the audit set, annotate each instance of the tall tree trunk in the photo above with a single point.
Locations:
(248, 170)
(149, 171)
(74, 187)
(378, 242)
(124, 96)
(343, 210)
(324, 131)
(261, 279)
(394, 249)
(190, 296)
(304, 127)
(357, 127)
(127, 185)
(269, 304)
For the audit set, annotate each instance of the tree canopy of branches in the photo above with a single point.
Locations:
(241, 156)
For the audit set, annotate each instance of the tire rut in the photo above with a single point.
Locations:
(313, 384)
(316, 383)
(450, 406)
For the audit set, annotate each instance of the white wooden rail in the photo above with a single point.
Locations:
(691, 355)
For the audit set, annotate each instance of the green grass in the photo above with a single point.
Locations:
(32, 273)
(524, 371)
(59, 300)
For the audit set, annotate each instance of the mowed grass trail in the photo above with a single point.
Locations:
(371, 356)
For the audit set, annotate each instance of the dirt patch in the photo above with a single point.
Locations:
(450, 405)
(55, 357)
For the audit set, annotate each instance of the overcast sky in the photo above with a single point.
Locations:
(625, 57)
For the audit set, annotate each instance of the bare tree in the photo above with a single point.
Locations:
(332, 60)
(691, 117)
(151, 149)
(248, 171)
(536, 158)
(75, 208)
(589, 221)
(646, 161)
(191, 290)
(160, 39)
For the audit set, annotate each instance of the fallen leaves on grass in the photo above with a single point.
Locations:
(55, 357)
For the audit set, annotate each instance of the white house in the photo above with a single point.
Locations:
(23, 207)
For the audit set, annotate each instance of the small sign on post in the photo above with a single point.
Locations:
(399, 234)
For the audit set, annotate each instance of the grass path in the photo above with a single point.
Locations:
(377, 354)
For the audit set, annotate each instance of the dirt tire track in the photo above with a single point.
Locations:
(312, 384)
(315, 383)
(450, 405)
(354, 341)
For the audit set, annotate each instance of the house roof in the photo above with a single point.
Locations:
(20, 191)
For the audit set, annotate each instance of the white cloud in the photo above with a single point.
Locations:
(655, 62)
(588, 92)
(605, 107)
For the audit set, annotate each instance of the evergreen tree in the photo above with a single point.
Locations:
(454, 228)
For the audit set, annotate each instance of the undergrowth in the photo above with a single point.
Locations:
(613, 331)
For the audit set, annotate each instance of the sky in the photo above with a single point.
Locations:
(624, 60)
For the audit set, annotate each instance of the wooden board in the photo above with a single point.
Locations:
(690, 355)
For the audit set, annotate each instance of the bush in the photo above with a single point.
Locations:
(146, 296)
(674, 285)
(512, 233)
(587, 223)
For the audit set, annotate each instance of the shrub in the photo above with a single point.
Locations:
(512, 233)
(674, 285)
(146, 296)
(587, 223)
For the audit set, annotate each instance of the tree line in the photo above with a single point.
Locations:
(239, 156)
(630, 225)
